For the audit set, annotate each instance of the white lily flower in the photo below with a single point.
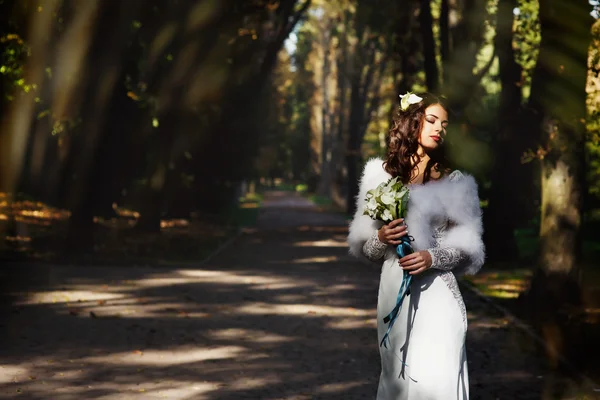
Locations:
(372, 205)
(386, 216)
(407, 99)
(388, 198)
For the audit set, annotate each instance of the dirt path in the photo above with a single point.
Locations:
(282, 313)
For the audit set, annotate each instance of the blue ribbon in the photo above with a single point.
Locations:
(403, 249)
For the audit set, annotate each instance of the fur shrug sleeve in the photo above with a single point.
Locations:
(362, 226)
(455, 201)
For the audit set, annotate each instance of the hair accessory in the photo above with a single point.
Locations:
(407, 99)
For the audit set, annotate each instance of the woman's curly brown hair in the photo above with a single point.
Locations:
(403, 142)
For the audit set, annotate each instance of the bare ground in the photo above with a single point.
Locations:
(281, 313)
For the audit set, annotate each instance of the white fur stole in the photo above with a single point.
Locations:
(454, 198)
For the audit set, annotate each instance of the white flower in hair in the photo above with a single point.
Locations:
(407, 99)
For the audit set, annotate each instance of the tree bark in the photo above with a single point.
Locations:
(558, 105)
(105, 59)
(326, 128)
(431, 69)
(562, 68)
(356, 129)
(507, 173)
(444, 37)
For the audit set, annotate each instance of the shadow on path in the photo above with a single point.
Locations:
(282, 313)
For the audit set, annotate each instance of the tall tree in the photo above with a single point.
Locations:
(429, 48)
(444, 34)
(558, 108)
(466, 40)
(370, 62)
(509, 142)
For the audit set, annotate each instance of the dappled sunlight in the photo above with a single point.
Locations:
(498, 323)
(154, 309)
(245, 383)
(289, 298)
(333, 388)
(24, 239)
(312, 260)
(501, 294)
(233, 330)
(160, 282)
(501, 284)
(66, 296)
(253, 335)
(352, 323)
(184, 355)
(174, 223)
(288, 285)
(181, 115)
(321, 243)
(259, 282)
(202, 13)
(259, 308)
(71, 384)
(30, 212)
(191, 389)
(11, 373)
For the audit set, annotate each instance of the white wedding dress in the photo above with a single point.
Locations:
(424, 357)
(425, 354)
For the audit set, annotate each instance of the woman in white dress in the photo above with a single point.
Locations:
(423, 356)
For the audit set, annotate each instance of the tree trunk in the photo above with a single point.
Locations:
(507, 171)
(326, 178)
(341, 120)
(151, 207)
(444, 37)
(353, 154)
(467, 38)
(431, 69)
(104, 59)
(561, 69)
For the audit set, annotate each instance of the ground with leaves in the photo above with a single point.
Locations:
(281, 313)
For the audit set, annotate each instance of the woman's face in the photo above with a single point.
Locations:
(434, 127)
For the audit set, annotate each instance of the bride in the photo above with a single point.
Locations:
(423, 357)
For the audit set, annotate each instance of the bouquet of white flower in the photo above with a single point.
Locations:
(387, 201)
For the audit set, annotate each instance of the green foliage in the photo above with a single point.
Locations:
(526, 40)
(593, 119)
(13, 55)
(301, 188)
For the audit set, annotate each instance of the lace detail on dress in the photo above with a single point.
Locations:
(373, 248)
(450, 280)
(447, 258)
